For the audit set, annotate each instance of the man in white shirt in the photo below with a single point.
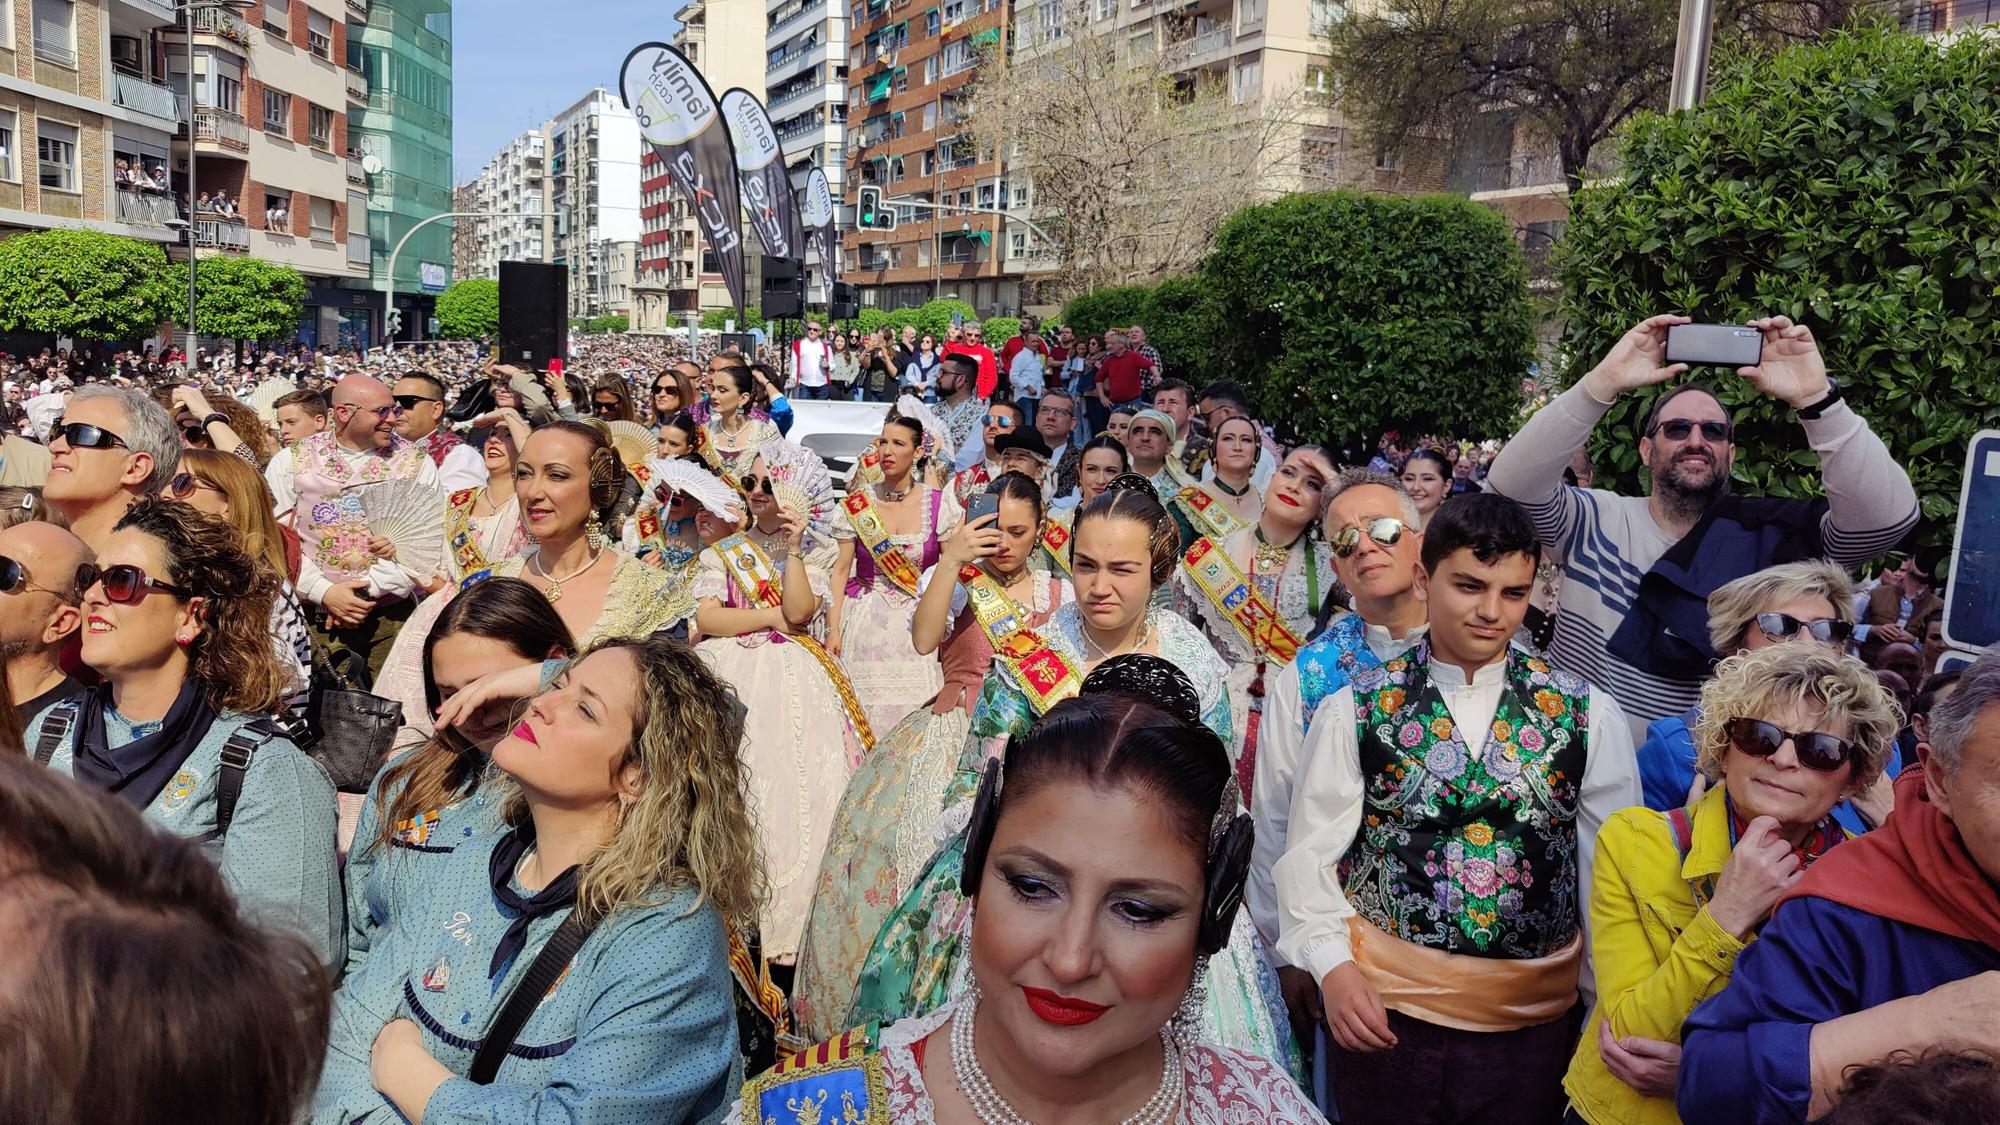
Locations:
(812, 360)
(421, 397)
(1442, 832)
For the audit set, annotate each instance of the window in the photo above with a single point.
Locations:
(1248, 81)
(930, 70)
(930, 167)
(1020, 196)
(278, 17)
(55, 149)
(277, 111)
(930, 116)
(1249, 14)
(55, 31)
(1385, 159)
(1017, 244)
(931, 23)
(319, 34)
(902, 82)
(1323, 15)
(322, 218)
(322, 128)
(7, 124)
(1319, 83)
(277, 212)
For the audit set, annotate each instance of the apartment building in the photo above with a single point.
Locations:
(593, 169)
(677, 274)
(514, 187)
(805, 88)
(87, 118)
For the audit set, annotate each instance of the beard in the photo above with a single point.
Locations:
(1690, 486)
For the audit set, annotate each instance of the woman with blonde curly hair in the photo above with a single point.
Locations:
(177, 622)
(1786, 732)
(628, 825)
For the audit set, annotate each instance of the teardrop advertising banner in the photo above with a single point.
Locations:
(817, 211)
(678, 114)
(767, 186)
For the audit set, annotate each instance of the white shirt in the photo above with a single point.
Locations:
(1025, 375)
(809, 362)
(1327, 804)
(464, 467)
(386, 580)
(1281, 738)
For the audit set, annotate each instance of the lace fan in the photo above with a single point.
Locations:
(634, 442)
(800, 480)
(691, 480)
(410, 515)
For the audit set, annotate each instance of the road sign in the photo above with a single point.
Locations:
(1972, 609)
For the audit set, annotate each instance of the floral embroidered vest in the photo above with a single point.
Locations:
(331, 525)
(1469, 854)
(1331, 663)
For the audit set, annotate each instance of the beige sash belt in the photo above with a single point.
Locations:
(1468, 993)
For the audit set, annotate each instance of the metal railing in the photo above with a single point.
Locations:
(136, 93)
(357, 85)
(360, 6)
(817, 87)
(222, 234)
(795, 17)
(220, 126)
(145, 209)
(354, 172)
(62, 54)
(1932, 18)
(792, 56)
(215, 21)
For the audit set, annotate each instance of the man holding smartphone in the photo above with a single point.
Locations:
(1632, 614)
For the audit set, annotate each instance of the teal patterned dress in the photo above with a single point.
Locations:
(916, 964)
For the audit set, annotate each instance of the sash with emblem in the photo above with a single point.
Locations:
(1041, 671)
(458, 532)
(758, 579)
(869, 466)
(1055, 543)
(1210, 516)
(874, 535)
(839, 1082)
(1232, 595)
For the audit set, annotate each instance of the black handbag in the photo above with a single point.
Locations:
(348, 731)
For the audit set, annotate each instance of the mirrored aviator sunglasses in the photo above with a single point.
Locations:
(1825, 630)
(1816, 750)
(1386, 532)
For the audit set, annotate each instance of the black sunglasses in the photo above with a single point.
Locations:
(124, 584)
(409, 402)
(1387, 531)
(601, 404)
(1816, 750)
(1679, 428)
(1825, 630)
(14, 576)
(756, 484)
(83, 435)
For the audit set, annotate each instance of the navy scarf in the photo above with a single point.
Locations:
(560, 894)
(139, 769)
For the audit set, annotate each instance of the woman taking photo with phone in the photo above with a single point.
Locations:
(882, 830)
(604, 905)
(176, 619)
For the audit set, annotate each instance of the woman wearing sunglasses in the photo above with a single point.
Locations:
(481, 659)
(1786, 731)
(177, 622)
(1805, 601)
(673, 390)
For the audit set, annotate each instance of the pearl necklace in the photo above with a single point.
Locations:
(554, 592)
(1138, 643)
(990, 1107)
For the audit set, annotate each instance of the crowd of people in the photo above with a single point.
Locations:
(406, 735)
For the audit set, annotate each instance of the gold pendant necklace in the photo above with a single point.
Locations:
(554, 592)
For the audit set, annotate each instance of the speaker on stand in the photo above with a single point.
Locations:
(534, 308)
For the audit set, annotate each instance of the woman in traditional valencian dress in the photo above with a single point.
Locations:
(889, 534)
(1083, 993)
(483, 525)
(736, 431)
(1257, 592)
(1124, 550)
(1100, 462)
(883, 830)
(760, 593)
(1227, 502)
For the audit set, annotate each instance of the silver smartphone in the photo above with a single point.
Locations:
(1719, 345)
(984, 504)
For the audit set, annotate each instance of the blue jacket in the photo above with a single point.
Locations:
(1745, 1055)
(382, 878)
(1666, 768)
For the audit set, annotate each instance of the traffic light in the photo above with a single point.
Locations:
(869, 214)
(392, 322)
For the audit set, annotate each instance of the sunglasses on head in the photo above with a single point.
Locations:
(14, 576)
(1679, 428)
(1825, 630)
(1387, 531)
(1000, 420)
(83, 435)
(123, 584)
(756, 484)
(185, 485)
(409, 402)
(1816, 750)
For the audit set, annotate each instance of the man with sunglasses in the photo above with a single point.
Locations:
(963, 412)
(111, 447)
(812, 363)
(1002, 418)
(971, 342)
(39, 612)
(1633, 609)
(318, 484)
(420, 396)
(1439, 856)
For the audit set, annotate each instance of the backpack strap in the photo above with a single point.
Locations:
(55, 730)
(236, 754)
(548, 965)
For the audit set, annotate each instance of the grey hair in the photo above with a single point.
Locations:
(1952, 718)
(1734, 606)
(1355, 478)
(148, 429)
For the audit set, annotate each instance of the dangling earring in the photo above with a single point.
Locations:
(1185, 1026)
(594, 532)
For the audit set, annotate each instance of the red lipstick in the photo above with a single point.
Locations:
(522, 732)
(1061, 1010)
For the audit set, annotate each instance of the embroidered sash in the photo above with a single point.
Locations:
(1047, 677)
(1225, 587)
(1210, 516)
(1055, 542)
(873, 534)
(753, 976)
(757, 577)
(465, 549)
(869, 467)
(840, 1081)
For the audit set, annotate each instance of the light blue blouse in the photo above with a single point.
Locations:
(382, 877)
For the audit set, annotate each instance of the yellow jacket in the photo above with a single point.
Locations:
(1656, 953)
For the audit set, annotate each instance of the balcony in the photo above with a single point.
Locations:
(145, 97)
(354, 173)
(219, 126)
(145, 209)
(358, 7)
(783, 66)
(222, 25)
(357, 85)
(222, 234)
(357, 249)
(798, 18)
(278, 224)
(798, 97)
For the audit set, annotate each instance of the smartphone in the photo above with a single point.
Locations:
(1720, 345)
(958, 320)
(984, 504)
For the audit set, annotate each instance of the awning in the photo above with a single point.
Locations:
(878, 86)
(990, 35)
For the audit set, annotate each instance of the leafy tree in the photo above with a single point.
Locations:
(1119, 306)
(1347, 313)
(470, 309)
(1000, 329)
(1848, 186)
(1575, 70)
(717, 318)
(247, 298)
(598, 325)
(897, 318)
(1184, 320)
(871, 320)
(934, 317)
(85, 284)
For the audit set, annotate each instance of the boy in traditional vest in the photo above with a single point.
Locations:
(1442, 832)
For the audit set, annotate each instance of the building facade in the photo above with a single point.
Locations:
(805, 89)
(400, 116)
(593, 170)
(514, 186)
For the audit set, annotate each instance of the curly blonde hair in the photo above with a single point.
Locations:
(1734, 606)
(1751, 685)
(691, 826)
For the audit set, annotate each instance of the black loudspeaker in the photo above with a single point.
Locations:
(784, 288)
(846, 302)
(534, 321)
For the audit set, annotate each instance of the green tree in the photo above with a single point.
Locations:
(470, 309)
(1000, 329)
(870, 320)
(717, 318)
(1119, 306)
(934, 317)
(1848, 186)
(86, 284)
(1349, 313)
(598, 325)
(1183, 319)
(246, 298)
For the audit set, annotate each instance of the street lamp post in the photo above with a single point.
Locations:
(390, 343)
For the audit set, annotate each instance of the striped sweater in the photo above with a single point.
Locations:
(1608, 542)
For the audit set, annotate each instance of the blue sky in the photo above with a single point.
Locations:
(516, 63)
